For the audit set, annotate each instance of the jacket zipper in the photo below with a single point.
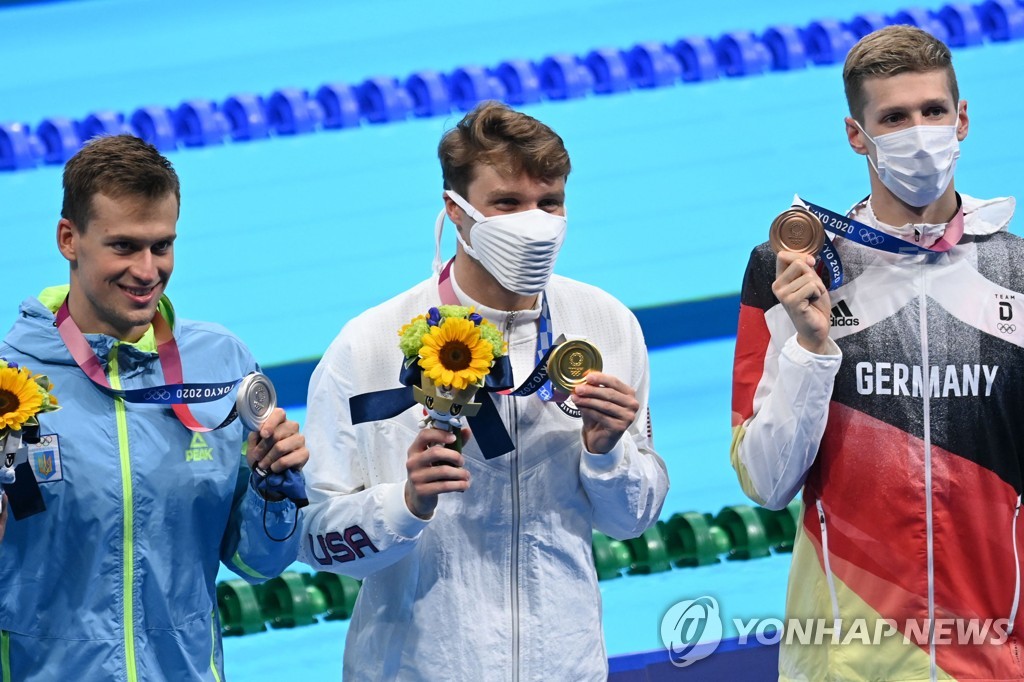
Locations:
(828, 565)
(926, 423)
(514, 473)
(5, 655)
(213, 649)
(128, 553)
(1016, 567)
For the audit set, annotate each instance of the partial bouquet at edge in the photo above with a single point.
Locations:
(455, 349)
(23, 397)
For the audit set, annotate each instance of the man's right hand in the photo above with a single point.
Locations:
(433, 469)
(805, 297)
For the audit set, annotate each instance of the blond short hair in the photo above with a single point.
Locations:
(890, 51)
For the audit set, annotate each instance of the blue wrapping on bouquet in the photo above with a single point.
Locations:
(488, 429)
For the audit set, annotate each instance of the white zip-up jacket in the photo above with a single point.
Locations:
(909, 444)
(500, 583)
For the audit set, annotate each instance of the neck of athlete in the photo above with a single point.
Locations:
(892, 210)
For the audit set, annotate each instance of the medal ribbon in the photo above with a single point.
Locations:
(175, 393)
(538, 381)
(487, 426)
(874, 238)
(859, 232)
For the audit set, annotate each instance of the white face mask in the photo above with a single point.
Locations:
(517, 249)
(916, 164)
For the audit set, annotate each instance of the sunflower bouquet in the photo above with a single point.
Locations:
(455, 348)
(23, 396)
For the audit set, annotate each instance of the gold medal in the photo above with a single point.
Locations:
(798, 230)
(570, 362)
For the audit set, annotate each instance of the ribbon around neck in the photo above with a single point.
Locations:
(488, 429)
(175, 393)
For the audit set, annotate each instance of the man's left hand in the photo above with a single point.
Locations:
(278, 445)
(608, 407)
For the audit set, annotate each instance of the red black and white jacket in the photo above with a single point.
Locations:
(908, 442)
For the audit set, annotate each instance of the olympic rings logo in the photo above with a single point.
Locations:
(1006, 328)
(46, 440)
(158, 394)
(872, 238)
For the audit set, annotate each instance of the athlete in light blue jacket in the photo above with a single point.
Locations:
(115, 580)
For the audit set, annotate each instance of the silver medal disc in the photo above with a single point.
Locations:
(256, 400)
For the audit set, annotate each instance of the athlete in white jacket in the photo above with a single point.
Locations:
(496, 582)
(893, 399)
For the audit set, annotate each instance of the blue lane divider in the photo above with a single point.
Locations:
(603, 71)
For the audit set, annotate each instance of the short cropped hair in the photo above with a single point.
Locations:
(117, 166)
(496, 135)
(890, 51)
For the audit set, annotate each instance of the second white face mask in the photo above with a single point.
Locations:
(518, 249)
(916, 164)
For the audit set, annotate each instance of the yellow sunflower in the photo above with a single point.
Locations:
(20, 398)
(453, 354)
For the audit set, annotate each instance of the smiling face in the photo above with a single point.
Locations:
(120, 263)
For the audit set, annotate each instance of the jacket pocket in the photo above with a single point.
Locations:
(825, 559)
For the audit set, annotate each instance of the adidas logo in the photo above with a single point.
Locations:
(198, 450)
(842, 317)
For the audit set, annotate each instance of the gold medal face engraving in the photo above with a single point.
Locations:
(570, 363)
(798, 230)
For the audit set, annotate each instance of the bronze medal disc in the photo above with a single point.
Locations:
(570, 362)
(798, 230)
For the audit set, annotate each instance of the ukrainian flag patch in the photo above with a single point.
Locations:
(44, 458)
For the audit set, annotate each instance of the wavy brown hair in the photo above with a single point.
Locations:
(494, 134)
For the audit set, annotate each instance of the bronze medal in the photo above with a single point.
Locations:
(798, 230)
(570, 362)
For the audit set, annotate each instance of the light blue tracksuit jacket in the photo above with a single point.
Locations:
(116, 580)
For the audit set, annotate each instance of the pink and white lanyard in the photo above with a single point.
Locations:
(175, 393)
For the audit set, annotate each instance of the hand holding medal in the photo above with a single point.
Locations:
(273, 439)
(607, 405)
(797, 237)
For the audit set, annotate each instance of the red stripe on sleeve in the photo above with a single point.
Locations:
(752, 339)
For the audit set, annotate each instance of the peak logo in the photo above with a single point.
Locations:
(198, 450)
(843, 317)
(691, 630)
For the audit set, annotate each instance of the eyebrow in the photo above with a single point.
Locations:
(114, 238)
(927, 104)
(502, 193)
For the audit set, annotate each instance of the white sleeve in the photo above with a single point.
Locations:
(352, 526)
(627, 486)
(776, 447)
